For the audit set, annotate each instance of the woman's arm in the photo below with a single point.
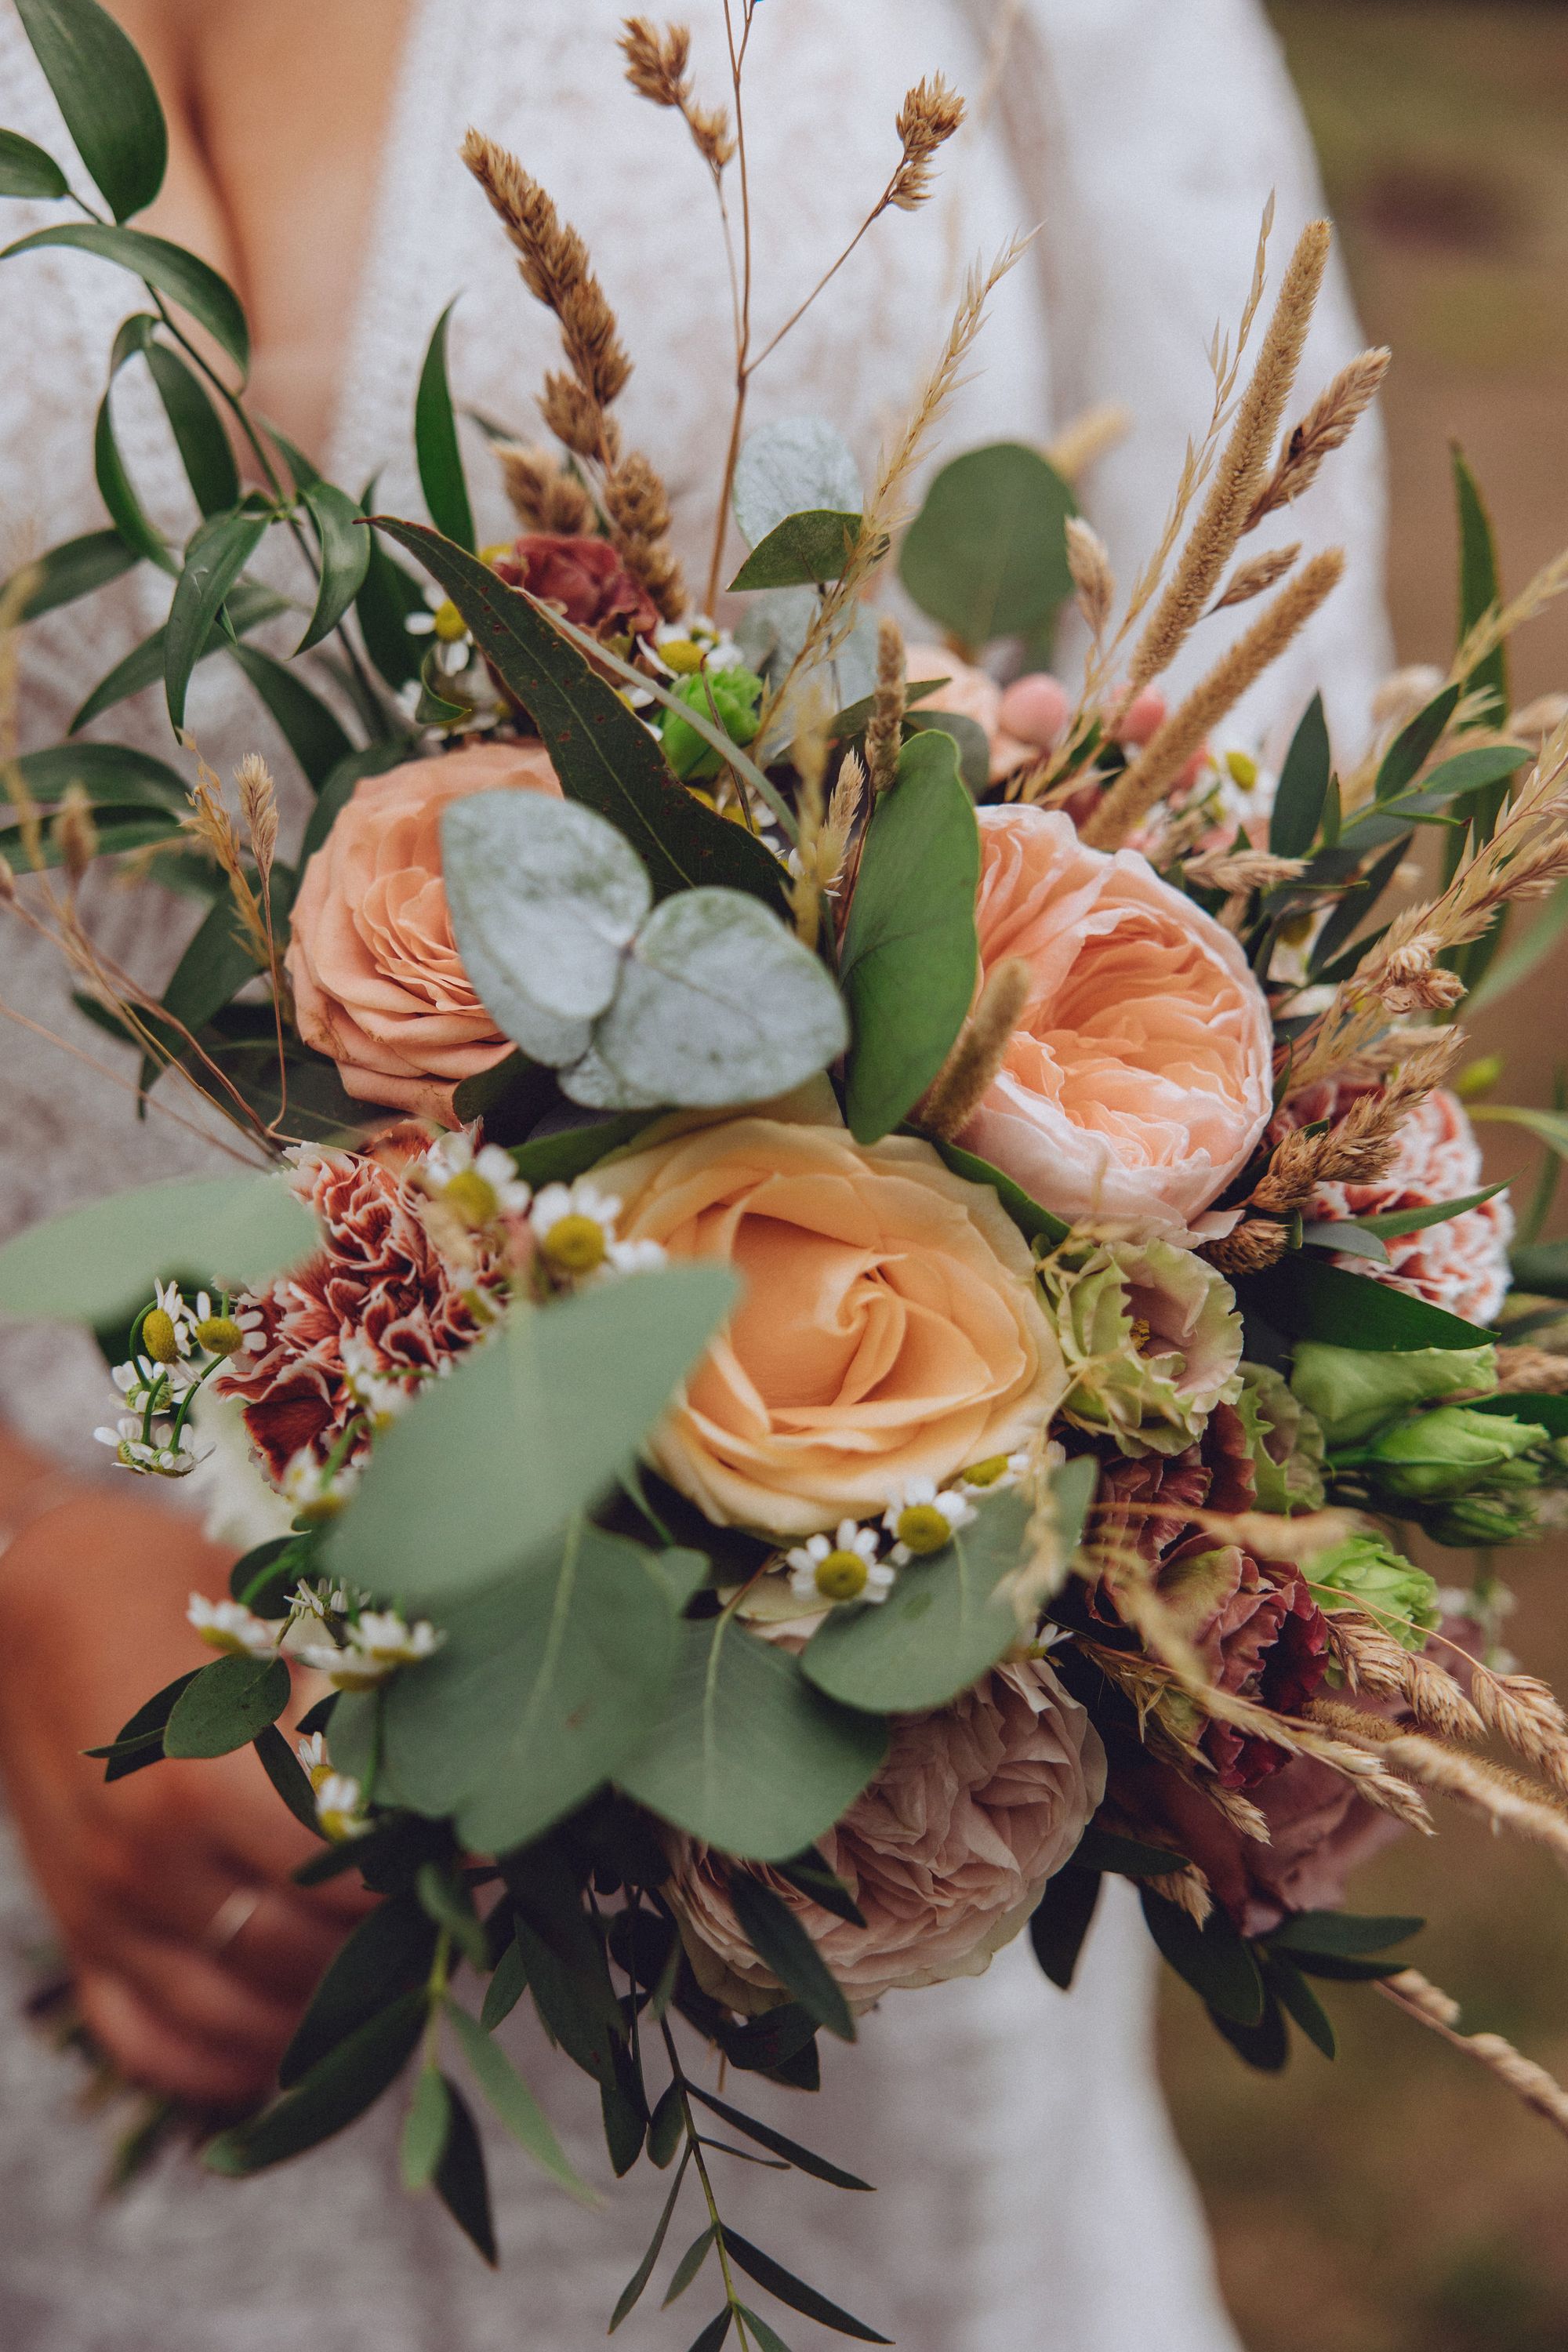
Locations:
(193, 1950)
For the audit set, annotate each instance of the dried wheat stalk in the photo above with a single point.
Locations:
(1326, 426)
(1419, 1999)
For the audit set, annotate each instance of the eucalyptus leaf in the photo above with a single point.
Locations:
(803, 550)
(790, 467)
(217, 554)
(909, 953)
(986, 556)
(227, 1706)
(1036, 1224)
(27, 171)
(345, 545)
(601, 752)
(92, 1264)
(544, 1682)
(943, 1624)
(188, 282)
(746, 1754)
(436, 444)
(106, 94)
(527, 1431)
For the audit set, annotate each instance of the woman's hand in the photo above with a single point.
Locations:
(192, 1951)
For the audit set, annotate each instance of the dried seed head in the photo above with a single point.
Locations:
(1245, 869)
(930, 116)
(259, 806)
(885, 733)
(1256, 578)
(75, 834)
(573, 417)
(1412, 981)
(1256, 1243)
(1089, 561)
(657, 62)
(956, 1092)
(1538, 720)
(709, 127)
(555, 269)
(8, 880)
(542, 495)
(1401, 696)
(1325, 427)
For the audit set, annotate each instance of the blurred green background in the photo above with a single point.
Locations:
(1398, 2200)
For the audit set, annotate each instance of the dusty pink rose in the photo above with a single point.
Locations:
(891, 1328)
(1141, 1075)
(946, 1853)
(378, 980)
(375, 1312)
(586, 577)
(1460, 1264)
(972, 693)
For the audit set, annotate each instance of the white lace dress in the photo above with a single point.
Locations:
(1032, 2200)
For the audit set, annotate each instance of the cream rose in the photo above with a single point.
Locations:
(377, 976)
(891, 1328)
(1140, 1076)
(946, 1853)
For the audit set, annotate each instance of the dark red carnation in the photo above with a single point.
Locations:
(586, 580)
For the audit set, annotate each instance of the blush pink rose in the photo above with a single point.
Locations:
(377, 982)
(891, 1328)
(946, 1853)
(1140, 1076)
(1460, 1264)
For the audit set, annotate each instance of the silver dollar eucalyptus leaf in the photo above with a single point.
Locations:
(546, 896)
(719, 1004)
(792, 467)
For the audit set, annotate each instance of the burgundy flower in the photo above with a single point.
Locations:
(378, 1284)
(585, 579)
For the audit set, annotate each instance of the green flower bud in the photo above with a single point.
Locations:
(1451, 1452)
(1478, 1522)
(1283, 1440)
(1352, 1390)
(734, 694)
(1365, 1572)
(1150, 1338)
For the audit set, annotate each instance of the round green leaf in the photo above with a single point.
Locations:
(986, 556)
(228, 1704)
(811, 547)
(93, 1264)
(791, 468)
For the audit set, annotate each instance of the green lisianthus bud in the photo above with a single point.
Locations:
(1480, 1522)
(1451, 1452)
(735, 694)
(1353, 1390)
(1283, 1440)
(1151, 1338)
(1366, 1572)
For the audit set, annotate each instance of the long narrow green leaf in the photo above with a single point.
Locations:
(1303, 786)
(783, 1945)
(187, 281)
(312, 732)
(514, 2104)
(198, 431)
(216, 556)
(345, 545)
(426, 2131)
(795, 2293)
(75, 569)
(462, 2182)
(27, 171)
(440, 459)
(249, 605)
(1518, 960)
(106, 94)
(332, 2096)
(632, 2293)
(803, 2158)
(1393, 1223)
(119, 493)
(1410, 749)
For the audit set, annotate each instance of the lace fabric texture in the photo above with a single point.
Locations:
(1031, 2196)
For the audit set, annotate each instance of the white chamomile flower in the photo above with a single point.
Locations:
(380, 1395)
(847, 1566)
(340, 1807)
(480, 1185)
(313, 1493)
(314, 1760)
(230, 1626)
(154, 1454)
(575, 1226)
(921, 1520)
(998, 1473)
(636, 1257)
(378, 1645)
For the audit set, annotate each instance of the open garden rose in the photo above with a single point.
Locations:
(890, 1328)
(1141, 1075)
(376, 977)
(946, 1853)
(1460, 1264)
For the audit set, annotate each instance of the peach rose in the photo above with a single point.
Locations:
(1140, 1077)
(947, 1853)
(890, 1330)
(376, 978)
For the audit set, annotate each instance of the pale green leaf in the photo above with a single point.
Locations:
(91, 1264)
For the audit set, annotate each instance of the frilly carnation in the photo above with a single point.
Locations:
(1151, 1338)
(584, 579)
(1460, 1264)
(946, 1853)
(889, 1331)
(378, 983)
(358, 1328)
(1141, 1075)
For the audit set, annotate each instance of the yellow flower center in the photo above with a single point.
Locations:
(922, 1528)
(985, 1474)
(450, 625)
(574, 1244)
(1243, 770)
(841, 1576)
(1141, 1334)
(683, 655)
(220, 1335)
(159, 1338)
(473, 1197)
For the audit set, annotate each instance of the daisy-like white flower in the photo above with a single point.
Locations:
(314, 1760)
(159, 1455)
(683, 647)
(845, 1567)
(996, 1474)
(921, 1520)
(382, 1399)
(574, 1228)
(480, 1185)
(314, 1494)
(230, 1626)
(340, 1807)
(379, 1644)
(224, 1330)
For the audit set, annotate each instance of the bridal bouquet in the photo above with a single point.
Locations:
(848, 1282)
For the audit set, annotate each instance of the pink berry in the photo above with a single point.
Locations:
(1035, 710)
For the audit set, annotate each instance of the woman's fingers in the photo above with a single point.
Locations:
(194, 1993)
(164, 2057)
